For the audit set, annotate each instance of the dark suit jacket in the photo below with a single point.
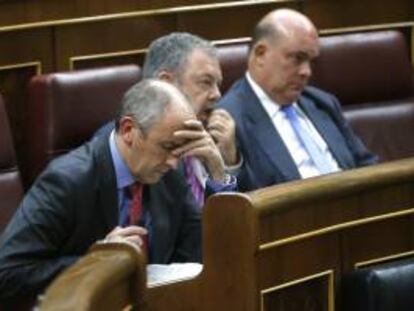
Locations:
(266, 158)
(73, 204)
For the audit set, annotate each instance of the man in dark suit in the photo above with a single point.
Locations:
(191, 64)
(286, 130)
(82, 197)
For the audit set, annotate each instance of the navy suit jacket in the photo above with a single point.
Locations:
(267, 160)
(73, 204)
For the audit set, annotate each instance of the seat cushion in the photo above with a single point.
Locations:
(387, 287)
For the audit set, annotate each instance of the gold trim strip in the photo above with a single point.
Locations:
(178, 9)
(331, 292)
(340, 30)
(363, 264)
(75, 59)
(232, 41)
(412, 45)
(333, 228)
(37, 64)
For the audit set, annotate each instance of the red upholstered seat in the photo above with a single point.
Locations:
(233, 62)
(11, 190)
(365, 67)
(65, 109)
(372, 76)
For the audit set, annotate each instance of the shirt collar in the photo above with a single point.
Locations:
(123, 175)
(271, 107)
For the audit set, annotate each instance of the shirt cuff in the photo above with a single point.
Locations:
(234, 169)
(229, 184)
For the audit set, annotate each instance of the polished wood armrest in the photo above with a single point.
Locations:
(111, 276)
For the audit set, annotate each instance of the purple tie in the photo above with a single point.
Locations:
(196, 187)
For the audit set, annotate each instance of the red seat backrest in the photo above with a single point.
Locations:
(65, 109)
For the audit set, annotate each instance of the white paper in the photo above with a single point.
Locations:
(163, 274)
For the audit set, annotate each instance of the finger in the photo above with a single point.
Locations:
(136, 230)
(190, 139)
(219, 126)
(220, 123)
(131, 230)
(114, 230)
(217, 135)
(206, 142)
(193, 125)
(221, 113)
(136, 239)
(189, 135)
(202, 153)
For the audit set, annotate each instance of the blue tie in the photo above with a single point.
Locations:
(307, 142)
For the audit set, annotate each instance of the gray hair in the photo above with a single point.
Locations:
(171, 52)
(146, 102)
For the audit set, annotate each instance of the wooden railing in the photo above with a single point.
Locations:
(286, 247)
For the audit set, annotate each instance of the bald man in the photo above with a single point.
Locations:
(285, 129)
(87, 195)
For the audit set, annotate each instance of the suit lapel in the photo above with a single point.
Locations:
(108, 194)
(327, 129)
(265, 135)
(158, 202)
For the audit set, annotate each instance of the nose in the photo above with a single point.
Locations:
(172, 161)
(215, 93)
(305, 69)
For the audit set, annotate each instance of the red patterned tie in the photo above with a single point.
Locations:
(136, 210)
(135, 205)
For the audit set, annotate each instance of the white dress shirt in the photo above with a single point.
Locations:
(282, 125)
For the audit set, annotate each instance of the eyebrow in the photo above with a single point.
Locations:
(210, 76)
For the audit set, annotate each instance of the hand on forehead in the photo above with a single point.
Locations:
(192, 129)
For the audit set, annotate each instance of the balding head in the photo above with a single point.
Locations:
(147, 101)
(282, 23)
(284, 44)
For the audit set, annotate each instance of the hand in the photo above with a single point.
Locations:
(131, 234)
(222, 128)
(200, 144)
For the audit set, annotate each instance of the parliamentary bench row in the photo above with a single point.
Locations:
(370, 73)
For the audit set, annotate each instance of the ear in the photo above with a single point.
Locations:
(166, 76)
(128, 130)
(259, 52)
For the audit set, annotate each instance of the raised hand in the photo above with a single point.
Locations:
(200, 144)
(222, 128)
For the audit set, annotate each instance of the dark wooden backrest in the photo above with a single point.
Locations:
(11, 190)
(287, 246)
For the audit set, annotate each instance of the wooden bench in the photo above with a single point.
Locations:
(286, 247)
